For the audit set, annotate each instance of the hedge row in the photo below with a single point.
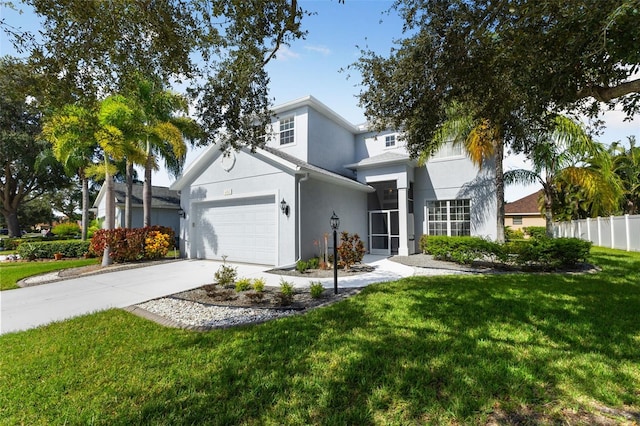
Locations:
(541, 252)
(127, 245)
(46, 250)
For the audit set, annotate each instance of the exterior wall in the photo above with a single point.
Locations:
(526, 221)
(300, 147)
(370, 144)
(329, 144)
(458, 178)
(319, 200)
(249, 176)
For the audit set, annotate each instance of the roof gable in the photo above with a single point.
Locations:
(525, 205)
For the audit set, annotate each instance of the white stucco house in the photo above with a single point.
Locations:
(165, 206)
(272, 207)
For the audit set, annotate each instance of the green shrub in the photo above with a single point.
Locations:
(286, 292)
(46, 250)
(463, 249)
(301, 266)
(243, 284)
(314, 263)
(423, 243)
(258, 284)
(316, 289)
(550, 253)
(226, 275)
(10, 243)
(66, 230)
(350, 251)
(535, 231)
(513, 234)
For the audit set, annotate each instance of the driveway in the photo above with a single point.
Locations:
(31, 307)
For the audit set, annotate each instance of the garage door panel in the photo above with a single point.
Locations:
(244, 230)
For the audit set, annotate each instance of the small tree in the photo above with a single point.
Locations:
(350, 251)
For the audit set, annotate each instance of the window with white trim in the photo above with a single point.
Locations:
(449, 150)
(287, 131)
(517, 220)
(390, 141)
(449, 217)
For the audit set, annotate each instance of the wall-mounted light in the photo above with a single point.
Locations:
(284, 207)
(182, 213)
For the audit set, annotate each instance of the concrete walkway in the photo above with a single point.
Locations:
(31, 307)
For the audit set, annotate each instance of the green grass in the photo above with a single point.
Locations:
(508, 348)
(12, 272)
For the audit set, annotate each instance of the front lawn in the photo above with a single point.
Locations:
(12, 272)
(503, 349)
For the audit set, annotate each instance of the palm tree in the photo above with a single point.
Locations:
(161, 133)
(627, 167)
(115, 119)
(482, 141)
(567, 157)
(72, 135)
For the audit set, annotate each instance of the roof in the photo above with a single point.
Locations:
(524, 206)
(161, 197)
(385, 159)
(284, 160)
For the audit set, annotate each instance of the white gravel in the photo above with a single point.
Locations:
(199, 315)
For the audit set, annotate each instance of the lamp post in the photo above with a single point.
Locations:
(335, 224)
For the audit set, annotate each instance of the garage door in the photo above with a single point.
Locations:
(244, 230)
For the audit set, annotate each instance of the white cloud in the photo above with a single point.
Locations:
(284, 53)
(324, 50)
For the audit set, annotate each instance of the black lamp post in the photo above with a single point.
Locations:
(335, 224)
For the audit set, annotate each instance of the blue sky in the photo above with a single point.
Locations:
(336, 34)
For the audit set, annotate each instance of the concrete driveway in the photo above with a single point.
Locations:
(31, 307)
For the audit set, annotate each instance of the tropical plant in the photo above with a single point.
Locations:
(567, 154)
(350, 251)
(483, 141)
(72, 135)
(626, 164)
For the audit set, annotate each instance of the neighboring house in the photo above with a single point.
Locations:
(165, 206)
(524, 212)
(273, 206)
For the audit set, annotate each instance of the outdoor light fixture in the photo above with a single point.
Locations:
(182, 213)
(284, 207)
(335, 224)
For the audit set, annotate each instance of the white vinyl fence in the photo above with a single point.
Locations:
(619, 232)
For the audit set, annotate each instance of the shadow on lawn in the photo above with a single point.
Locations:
(423, 350)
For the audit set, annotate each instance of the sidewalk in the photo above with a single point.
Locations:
(30, 307)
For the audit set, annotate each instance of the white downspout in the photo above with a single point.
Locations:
(306, 177)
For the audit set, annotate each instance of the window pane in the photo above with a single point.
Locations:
(287, 131)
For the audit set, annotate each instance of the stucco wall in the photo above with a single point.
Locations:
(331, 146)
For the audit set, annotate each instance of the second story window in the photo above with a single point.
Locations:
(389, 141)
(287, 131)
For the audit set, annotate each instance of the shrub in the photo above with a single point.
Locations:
(535, 231)
(226, 275)
(258, 284)
(286, 292)
(301, 266)
(463, 249)
(552, 252)
(513, 234)
(423, 243)
(316, 289)
(243, 284)
(46, 250)
(350, 251)
(128, 245)
(66, 230)
(314, 263)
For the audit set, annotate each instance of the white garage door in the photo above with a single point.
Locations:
(244, 230)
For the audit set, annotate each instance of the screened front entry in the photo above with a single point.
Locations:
(384, 221)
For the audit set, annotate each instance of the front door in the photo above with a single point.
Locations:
(384, 235)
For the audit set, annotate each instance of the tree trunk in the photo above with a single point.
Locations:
(500, 192)
(548, 214)
(12, 224)
(85, 206)
(110, 216)
(128, 213)
(146, 191)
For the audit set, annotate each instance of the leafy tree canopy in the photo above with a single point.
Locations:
(513, 60)
(93, 48)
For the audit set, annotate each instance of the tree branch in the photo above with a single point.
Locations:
(606, 94)
(288, 25)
